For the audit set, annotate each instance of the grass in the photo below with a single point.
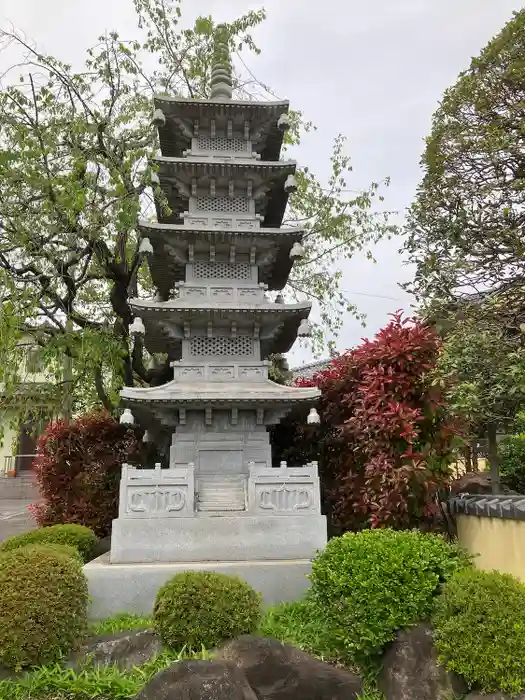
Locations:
(124, 622)
(293, 623)
(105, 683)
(301, 625)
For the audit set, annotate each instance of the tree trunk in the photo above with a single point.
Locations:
(475, 463)
(493, 457)
(467, 457)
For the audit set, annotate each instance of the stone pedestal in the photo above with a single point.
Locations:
(220, 538)
(117, 588)
(268, 534)
(269, 514)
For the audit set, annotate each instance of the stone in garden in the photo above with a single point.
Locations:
(410, 670)
(476, 483)
(472, 482)
(124, 649)
(198, 680)
(279, 671)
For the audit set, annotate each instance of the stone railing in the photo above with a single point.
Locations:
(265, 491)
(157, 493)
(492, 529)
(285, 490)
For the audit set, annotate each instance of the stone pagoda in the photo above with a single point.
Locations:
(213, 258)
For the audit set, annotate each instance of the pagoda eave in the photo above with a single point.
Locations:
(222, 166)
(270, 208)
(278, 334)
(184, 116)
(205, 310)
(173, 105)
(213, 235)
(171, 243)
(220, 393)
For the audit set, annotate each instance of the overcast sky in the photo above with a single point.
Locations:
(374, 71)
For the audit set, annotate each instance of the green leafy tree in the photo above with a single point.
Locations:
(75, 169)
(481, 370)
(465, 228)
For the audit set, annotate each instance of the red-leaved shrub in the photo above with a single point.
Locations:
(78, 467)
(384, 442)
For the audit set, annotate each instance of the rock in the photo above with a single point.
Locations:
(198, 680)
(125, 649)
(476, 483)
(410, 670)
(279, 671)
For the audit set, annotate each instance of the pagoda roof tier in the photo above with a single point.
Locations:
(268, 178)
(278, 323)
(171, 243)
(266, 394)
(185, 118)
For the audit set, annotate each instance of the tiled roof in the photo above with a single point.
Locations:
(307, 371)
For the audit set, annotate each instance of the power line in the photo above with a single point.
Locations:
(374, 296)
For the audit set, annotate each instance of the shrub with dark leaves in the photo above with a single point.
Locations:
(384, 443)
(78, 466)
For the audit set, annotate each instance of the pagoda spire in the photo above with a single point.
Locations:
(221, 71)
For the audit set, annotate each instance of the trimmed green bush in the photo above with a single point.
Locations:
(479, 622)
(78, 536)
(64, 549)
(43, 606)
(202, 608)
(370, 584)
(512, 462)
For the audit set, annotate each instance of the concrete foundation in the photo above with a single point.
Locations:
(227, 538)
(117, 588)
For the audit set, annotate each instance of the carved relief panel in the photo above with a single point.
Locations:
(284, 491)
(157, 493)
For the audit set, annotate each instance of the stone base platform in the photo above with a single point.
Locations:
(116, 588)
(217, 538)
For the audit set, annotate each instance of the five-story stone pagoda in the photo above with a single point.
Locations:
(220, 504)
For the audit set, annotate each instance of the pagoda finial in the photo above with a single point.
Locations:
(221, 71)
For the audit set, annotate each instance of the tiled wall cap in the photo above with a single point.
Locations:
(498, 506)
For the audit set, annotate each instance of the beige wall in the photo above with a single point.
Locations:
(499, 543)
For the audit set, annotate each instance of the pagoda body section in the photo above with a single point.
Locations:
(218, 257)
